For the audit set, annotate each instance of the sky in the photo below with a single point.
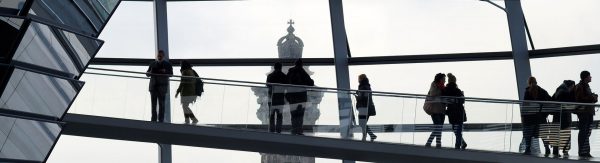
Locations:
(250, 29)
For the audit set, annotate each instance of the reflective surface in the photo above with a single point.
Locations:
(26, 139)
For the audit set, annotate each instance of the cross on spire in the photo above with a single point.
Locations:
(291, 22)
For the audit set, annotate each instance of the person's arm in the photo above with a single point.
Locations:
(148, 72)
(169, 69)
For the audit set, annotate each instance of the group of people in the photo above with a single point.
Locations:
(443, 99)
(535, 114)
(438, 107)
(190, 87)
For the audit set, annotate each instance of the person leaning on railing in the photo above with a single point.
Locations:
(531, 113)
(159, 72)
(585, 114)
(456, 111)
(564, 93)
(436, 109)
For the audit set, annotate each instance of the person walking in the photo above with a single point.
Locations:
(583, 94)
(276, 97)
(297, 96)
(159, 72)
(187, 88)
(456, 111)
(436, 109)
(531, 113)
(365, 106)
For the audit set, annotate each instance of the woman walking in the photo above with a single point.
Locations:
(365, 106)
(531, 115)
(187, 88)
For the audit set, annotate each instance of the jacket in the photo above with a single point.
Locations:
(532, 113)
(563, 94)
(277, 93)
(583, 94)
(298, 76)
(365, 99)
(455, 108)
(433, 103)
(160, 82)
(187, 86)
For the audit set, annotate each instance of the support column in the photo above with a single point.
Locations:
(340, 49)
(162, 43)
(518, 39)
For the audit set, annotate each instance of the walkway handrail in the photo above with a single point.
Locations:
(337, 90)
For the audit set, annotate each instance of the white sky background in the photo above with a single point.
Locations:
(250, 29)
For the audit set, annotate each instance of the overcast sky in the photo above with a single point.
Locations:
(250, 29)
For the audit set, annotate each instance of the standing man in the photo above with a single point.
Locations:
(159, 72)
(297, 96)
(583, 94)
(276, 97)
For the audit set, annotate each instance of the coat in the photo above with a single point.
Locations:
(159, 82)
(365, 99)
(563, 94)
(455, 108)
(583, 94)
(433, 103)
(298, 76)
(532, 113)
(187, 86)
(277, 93)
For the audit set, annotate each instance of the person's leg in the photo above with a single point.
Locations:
(279, 121)
(527, 135)
(432, 135)
(271, 118)
(161, 107)
(300, 119)
(458, 135)
(438, 129)
(369, 131)
(362, 122)
(585, 121)
(294, 118)
(153, 99)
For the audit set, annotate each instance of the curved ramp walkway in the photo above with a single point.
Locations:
(233, 139)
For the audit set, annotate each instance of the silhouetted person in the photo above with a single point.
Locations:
(365, 106)
(436, 109)
(456, 111)
(187, 88)
(564, 93)
(583, 94)
(531, 113)
(297, 96)
(159, 72)
(276, 97)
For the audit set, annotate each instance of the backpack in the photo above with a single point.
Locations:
(199, 84)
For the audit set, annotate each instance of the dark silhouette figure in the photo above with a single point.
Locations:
(583, 94)
(456, 110)
(276, 97)
(159, 72)
(297, 96)
(531, 113)
(564, 93)
(187, 88)
(365, 106)
(436, 109)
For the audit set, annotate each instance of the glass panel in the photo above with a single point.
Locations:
(27, 139)
(134, 19)
(90, 13)
(23, 93)
(410, 27)
(56, 49)
(563, 23)
(94, 150)
(62, 12)
(10, 30)
(248, 29)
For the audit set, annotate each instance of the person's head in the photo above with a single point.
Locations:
(160, 56)
(585, 76)
(451, 78)
(439, 78)
(531, 81)
(277, 66)
(362, 77)
(570, 84)
(298, 63)
(185, 65)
